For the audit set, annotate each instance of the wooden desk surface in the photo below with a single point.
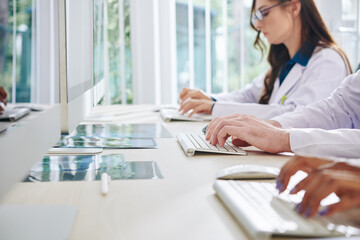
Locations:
(183, 205)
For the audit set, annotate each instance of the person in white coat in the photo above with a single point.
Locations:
(305, 64)
(326, 128)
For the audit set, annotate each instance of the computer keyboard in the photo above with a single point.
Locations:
(174, 115)
(195, 142)
(14, 114)
(263, 213)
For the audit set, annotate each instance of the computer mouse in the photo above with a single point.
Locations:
(248, 171)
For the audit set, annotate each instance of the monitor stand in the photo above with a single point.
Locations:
(36, 222)
(83, 151)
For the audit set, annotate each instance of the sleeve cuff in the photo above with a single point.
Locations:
(296, 141)
(281, 121)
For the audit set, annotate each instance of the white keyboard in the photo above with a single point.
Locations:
(174, 115)
(257, 206)
(195, 142)
(14, 114)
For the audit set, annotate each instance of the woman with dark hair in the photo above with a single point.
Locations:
(306, 64)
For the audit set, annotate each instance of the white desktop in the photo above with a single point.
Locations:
(146, 209)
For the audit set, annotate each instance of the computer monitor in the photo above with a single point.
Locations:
(76, 61)
(24, 143)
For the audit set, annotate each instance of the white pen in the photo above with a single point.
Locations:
(105, 181)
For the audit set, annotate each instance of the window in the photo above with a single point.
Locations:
(347, 34)
(215, 52)
(119, 48)
(28, 72)
(17, 43)
(23, 26)
(342, 18)
(98, 41)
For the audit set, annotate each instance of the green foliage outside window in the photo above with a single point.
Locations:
(114, 51)
(253, 63)
(24, 49)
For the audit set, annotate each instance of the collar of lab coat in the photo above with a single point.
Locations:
(294, 75)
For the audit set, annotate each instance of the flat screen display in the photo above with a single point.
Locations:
(79, 39)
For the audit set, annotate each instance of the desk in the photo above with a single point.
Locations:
(183, 205)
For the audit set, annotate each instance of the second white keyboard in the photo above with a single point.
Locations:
(195, 142)
(257, 206)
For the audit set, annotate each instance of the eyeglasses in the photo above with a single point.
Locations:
(260, 14)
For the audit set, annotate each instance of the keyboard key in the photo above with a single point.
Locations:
(193, 140)
(200, 141)
(229, 147)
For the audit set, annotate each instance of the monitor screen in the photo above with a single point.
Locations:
(79, 40)
(76, 61)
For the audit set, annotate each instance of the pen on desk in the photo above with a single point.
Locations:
(204, 129)
(105, 181)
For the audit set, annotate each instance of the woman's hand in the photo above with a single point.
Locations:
(324, 177)
(248, 130)
(3, 96)
(197, 106)
(295, 164)
(193, 94)
(345, 184)
(310, 165)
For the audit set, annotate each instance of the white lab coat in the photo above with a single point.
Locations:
(340, 111)
(303, 85)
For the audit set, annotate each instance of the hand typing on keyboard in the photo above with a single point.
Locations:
(195, 101)
(324, 177)
(248, 130)
(295, 164)
(195, 142)
(3, 100)
(192, 106)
